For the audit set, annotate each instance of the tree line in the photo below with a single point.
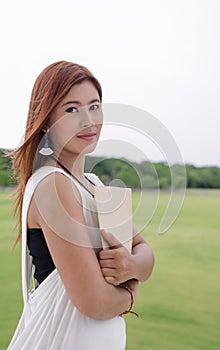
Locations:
(123, 172)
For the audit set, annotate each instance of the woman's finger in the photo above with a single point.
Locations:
(108, 272)
(111, 239)
(109, 263)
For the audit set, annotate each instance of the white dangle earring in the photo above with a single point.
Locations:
(46, 150)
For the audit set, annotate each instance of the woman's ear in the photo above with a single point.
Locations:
(45, 128)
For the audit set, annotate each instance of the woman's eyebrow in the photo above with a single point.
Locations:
(79, 103)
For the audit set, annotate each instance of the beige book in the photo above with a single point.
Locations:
(114, 206)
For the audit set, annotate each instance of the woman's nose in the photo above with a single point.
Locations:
(86, 117)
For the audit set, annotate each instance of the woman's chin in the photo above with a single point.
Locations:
(90, 148)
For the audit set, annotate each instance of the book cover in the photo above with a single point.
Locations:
(114, 206)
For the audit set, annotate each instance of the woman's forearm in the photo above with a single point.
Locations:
(109, 302)
(143, 261)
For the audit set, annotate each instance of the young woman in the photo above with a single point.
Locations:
(80, 291)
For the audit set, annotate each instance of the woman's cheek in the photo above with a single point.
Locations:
(62, 132)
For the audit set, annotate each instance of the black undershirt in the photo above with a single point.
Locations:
(38, 249)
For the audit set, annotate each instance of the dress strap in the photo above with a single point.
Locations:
(94, 178)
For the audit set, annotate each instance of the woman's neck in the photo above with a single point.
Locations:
(74, 164)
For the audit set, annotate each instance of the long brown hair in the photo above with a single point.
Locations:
(50, 87)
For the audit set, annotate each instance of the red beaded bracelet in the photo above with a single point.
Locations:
(129, 311)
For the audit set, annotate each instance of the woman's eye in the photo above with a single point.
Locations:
(71, 110)
(93, 107)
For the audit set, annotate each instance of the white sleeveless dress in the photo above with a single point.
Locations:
(49, 320)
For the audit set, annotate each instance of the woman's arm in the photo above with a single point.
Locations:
(59, 214)
(118, 265)
(143, 258)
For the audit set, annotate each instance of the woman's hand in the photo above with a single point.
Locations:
(116, 262)
(119, 265)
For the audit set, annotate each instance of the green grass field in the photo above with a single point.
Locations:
(179, 306)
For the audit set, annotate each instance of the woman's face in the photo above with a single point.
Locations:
(75, 124)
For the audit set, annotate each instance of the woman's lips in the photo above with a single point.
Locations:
(87, 136)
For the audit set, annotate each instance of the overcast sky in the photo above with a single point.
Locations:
(161, 56)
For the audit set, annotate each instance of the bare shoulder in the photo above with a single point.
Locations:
(56, 194)
(59, 183)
